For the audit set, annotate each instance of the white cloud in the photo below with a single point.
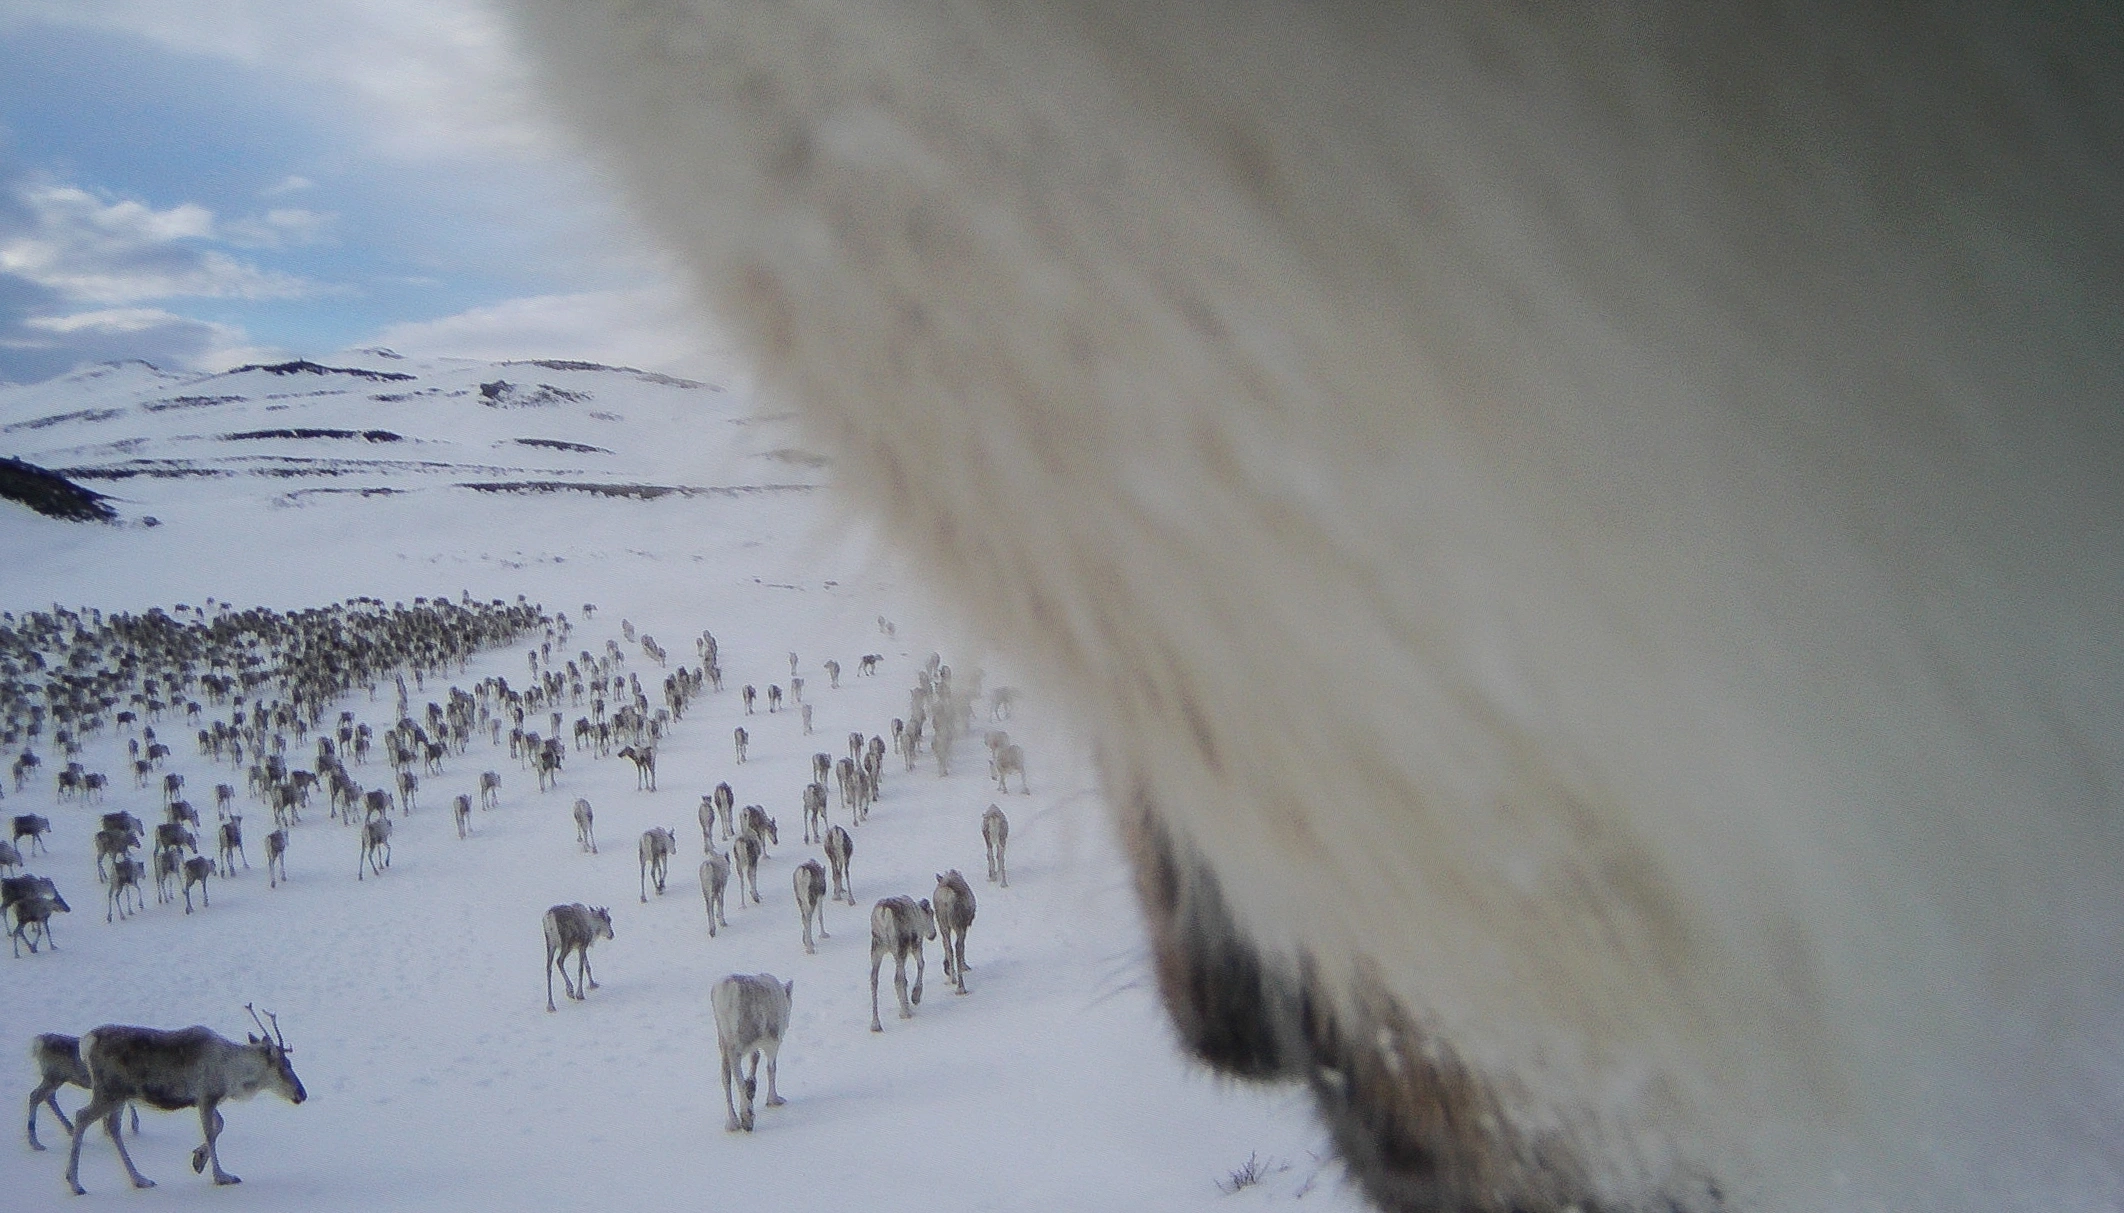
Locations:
(125, 252)
(434, 77)
(161, 337)
(280, 227)
(288, 185)
(654, 328)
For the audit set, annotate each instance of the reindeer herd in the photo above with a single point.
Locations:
(268, 680)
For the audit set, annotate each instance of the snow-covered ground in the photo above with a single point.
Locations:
(415, 1002)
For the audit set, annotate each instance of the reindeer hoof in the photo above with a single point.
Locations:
(142, 1182)
(225, 1180)
(199, 1160)
(775, 1101)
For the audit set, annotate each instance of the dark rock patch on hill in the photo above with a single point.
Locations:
(51, 494)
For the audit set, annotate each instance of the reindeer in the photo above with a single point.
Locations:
(706, 814)
(821, 767)
(833, 674)
(546, 764)
(1008, 759)
(585, 836)
(715, 878)
(726, 807)
(840, 848)
(751, 1014)
(231, 832)
(845, 775)
(196, 871)
(10, 858)
(809, 880)
(774, 698)
(655, 850)
(815, 810)
(189, 1067)
(34, 899)
(375, 839)
(277, 857)
(644, 760)
(172, 784)
(181, 812)
(757, 823)
(745, 852)
(58, 1059)
(995, 836)
(573, 928)
(224, 799)
(954, 901)
(169, 865)
(750, 694)
(869, 663)
(32, 826)
(489, 789)
(408, 788)
(170, 835)
(898, 925)
(126, 875)
(461, 813)
(740, 737)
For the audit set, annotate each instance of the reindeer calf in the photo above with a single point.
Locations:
(655, 850)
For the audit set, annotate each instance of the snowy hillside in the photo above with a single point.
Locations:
(414, 1001)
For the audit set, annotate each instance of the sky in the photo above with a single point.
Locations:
(204, 183)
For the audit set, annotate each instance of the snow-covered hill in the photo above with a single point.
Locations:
(415, 1001)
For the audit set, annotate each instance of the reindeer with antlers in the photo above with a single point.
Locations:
(191, 1067)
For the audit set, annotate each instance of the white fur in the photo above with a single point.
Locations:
(1612, 521)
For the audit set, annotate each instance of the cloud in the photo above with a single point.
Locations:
(45, 345)
(91, 251)
(432, 77)
(288, 185)
(654, 328)
(281, 227)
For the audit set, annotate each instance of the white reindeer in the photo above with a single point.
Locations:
(995, 837)
(898, 925)
(809, 880)
(186, 1068)
(585, 835)
(657, 847)
(715, 878)
(840, 849)
(954, 902)
(573, 928)
(751, 1014)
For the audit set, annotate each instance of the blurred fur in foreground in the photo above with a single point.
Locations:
(1590, 542)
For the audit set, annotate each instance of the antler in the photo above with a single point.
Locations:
(278, 1039)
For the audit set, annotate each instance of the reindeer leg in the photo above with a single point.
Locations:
(876, 958)
(921, 965)
(588, 982)
(729, 1104)
(899, 985)
(45, 1093)
(210, 1121)
(774, 1097)
(549, 979)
